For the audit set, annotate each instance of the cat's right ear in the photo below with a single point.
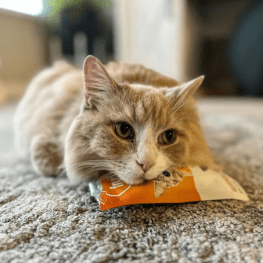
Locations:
(180, 94)
(97, 82)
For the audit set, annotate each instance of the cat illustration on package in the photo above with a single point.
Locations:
(169, 178)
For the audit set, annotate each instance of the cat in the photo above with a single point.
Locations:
(127, 119)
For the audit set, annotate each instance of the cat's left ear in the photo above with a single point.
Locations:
(180, 94)
(97, 81)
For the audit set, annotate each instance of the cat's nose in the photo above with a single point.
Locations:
(145, 165)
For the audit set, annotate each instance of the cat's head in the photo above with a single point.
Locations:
(134, 131)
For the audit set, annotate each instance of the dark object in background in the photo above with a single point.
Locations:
(215, 66)
(75, 20)
(246, 51)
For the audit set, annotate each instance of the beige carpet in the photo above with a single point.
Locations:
(48, 220)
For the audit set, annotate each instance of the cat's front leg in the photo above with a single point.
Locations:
(46, 155)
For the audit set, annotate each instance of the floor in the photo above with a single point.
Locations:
(49, 218)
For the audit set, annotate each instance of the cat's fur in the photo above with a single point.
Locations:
(65, 125)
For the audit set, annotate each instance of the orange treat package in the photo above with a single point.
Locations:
(194, 185)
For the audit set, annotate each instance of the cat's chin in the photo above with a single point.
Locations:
(152, 174)
(133, 181)
(137, 181)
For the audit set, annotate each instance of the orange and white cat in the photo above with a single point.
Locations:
(126, 119)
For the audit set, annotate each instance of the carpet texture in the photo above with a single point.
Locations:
(49, 220)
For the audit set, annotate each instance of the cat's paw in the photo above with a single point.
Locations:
(168, 178)
(46, 156)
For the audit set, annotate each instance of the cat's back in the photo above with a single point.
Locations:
(45, 102)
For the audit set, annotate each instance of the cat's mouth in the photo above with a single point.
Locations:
(141, 178)
(135, 175)
(159, 177)
(147, 176)
(152, 175)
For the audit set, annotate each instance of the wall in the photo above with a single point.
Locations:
(23, 50)
(161, 34)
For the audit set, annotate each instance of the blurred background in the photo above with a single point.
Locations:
(180, 38)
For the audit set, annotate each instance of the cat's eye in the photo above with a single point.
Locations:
(124, 130)
(167, 137)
